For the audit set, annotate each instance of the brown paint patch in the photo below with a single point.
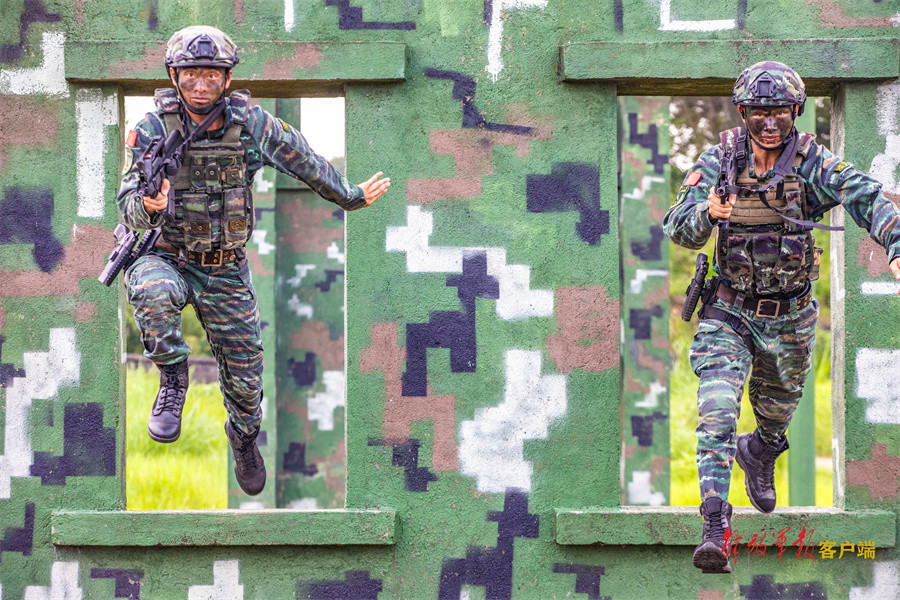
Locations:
(873, 257)
(2, 317)
(238, 12)
(880, 473)
(306, 233)
(338, 457)
(648, 361)
(152, 58)
(24, 122)
(400, 411)
(472, 149)
(84, 257)
(79, 12)
(659, 296)
(85, 311)
(305, 56)
(632, 384)
(833, 15)
(314, 335)
(629, 158)
(256, 263)
(628, 452)
(657, 464)
(710, 595)
(585, 314)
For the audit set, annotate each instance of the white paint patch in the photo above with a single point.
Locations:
(642, 275)
(259, 238)
(63, 584)
(226, 583)
(302, 271)
(887, 108)
(252, 505)
(517, 299)
(651, 400)
(334, 253)
(304, 504)
(495, 31)
(640, 491)
(666, 23)
(93, 113)
(321, 406)
(301, 309)
(265, 180)
(880, 288)
(491, 447)
(288, 15)
(49, 79)
(885, 582)
(878, 382)
(45, 373)
(647, 182)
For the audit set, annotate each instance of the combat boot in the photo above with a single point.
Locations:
(165, 417)
(757, 459)
(248, 462)
(711, 556)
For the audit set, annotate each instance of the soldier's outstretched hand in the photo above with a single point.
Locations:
(718, 209)
(154, 205)
(374, 187)
(895, 269)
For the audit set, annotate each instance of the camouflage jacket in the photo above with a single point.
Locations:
(687, 222)
(269, 142)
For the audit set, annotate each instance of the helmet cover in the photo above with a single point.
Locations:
(769, 83)
(201, 46)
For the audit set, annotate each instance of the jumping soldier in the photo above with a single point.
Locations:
(758, 315)
(201, 258)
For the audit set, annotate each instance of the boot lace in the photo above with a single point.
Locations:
(767, 461)
(171, 397)
(716, 525)
(246, 456)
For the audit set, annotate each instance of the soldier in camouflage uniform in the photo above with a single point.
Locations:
(201, 257)
(758, 316)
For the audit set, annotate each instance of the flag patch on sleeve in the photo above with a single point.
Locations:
(131, 140)
(692, 178)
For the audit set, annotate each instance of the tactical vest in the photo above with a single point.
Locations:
(759, 252)
(212, 198)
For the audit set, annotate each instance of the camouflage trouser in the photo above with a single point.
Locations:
(780, 362)
(225, 303)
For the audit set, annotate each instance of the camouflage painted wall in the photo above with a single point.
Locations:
(484, 301)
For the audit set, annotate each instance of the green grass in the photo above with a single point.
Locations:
(190, 473)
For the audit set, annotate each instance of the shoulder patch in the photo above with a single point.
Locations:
(841, 166)
(131, 140)
(692, 178)
(681, 194)
(129, 160)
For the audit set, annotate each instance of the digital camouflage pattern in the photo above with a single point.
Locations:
(778, 366)
(768, 83)
(201, 46)
(225, 303)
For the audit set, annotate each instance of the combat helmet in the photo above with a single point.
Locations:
(769, 83)
(201, 46)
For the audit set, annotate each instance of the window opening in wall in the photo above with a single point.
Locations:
(660, 138)
(296, 259)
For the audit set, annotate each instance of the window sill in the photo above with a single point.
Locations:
(680, 526)
(282, 527)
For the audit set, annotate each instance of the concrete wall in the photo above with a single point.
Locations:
(484, 434)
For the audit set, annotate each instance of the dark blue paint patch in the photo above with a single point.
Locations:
(741, 20)
(153, 18)
(619, 15)
(25, 218)
(641, 320)
(570, 186)
(488, 11)
(128, 581)
(294, 460)
(406, 455)
(491, 567)
(89, 448)
(642, 427)
(262, 439)
(259, 211)
(263, 325)
(351, 17)
(304, 373)
(32, 12)
(357, 585)
(20, 539)
(649, 140)
(7, 370)
(453, 330)
(331, 276)
(587, 579)
(338, 214)
(763, 587)
(651, 250)
(464, 91)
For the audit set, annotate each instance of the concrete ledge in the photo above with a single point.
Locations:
(267, 69)
(280, 527)
(709, 67)
(681, 526)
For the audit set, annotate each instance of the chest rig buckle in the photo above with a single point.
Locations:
(762, 312)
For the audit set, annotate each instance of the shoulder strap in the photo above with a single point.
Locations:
(168, 105)
(239, 103)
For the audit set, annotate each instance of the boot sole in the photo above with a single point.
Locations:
(163, 440)
(737, 457)
(709, 559)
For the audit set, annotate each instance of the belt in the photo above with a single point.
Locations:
(213, 258)
(763, 307)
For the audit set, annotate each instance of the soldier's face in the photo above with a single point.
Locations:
(770, 126)
(202, 86)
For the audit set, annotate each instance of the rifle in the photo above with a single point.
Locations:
(161, 161)
(695, 288)
(726, 183)
(128, 250)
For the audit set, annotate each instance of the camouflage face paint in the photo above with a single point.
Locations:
(769, 126)
(201, 86)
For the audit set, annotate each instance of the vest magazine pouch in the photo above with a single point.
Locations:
(197, 172)
(236, 218)
(737, 266)
(766, 258)
(792, 265)
(197, 223)
(232, 171)
(817, 260)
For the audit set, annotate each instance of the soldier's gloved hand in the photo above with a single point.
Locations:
(895, 269)
(717, 209)
(373, 188)
(151, 205)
